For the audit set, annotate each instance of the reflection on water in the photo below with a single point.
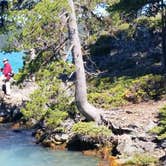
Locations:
(19, 149)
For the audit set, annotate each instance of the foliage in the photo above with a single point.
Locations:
(36, 108)
(91, 129)
(148, 87)
(127, 29)
(129, 10)
(43, 23)
(50, 100)
(101, 46)
(152, 22)
(142, 160)
(106, 92)
(55, 118)
(161, 128)
(20, 76)
(123, 27)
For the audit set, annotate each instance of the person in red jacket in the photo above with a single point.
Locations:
(7, 70)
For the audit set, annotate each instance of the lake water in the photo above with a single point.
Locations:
(15, 59)
(19, 149)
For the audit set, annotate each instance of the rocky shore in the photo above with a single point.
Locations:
(130, 130)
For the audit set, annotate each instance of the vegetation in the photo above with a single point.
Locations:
(142, 160)
(107, 93)
(50, 100)
(149, 87)
(91, 129)
(121, 54)
(160, 130)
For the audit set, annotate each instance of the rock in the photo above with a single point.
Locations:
(127, 146)
(89, 152)
(54, 145)
(150, 125)
(147, 146)
(163, 160)
(15, 126)
(163, 144)
(68, 124)
(111, 161)
(16, 115)
(61, 137)
(38, 134)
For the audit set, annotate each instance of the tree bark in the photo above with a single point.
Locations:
(163, 33)
(88, 110)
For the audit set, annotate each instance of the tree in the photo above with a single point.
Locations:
(3, 7)
(163, 12)
(130, 10)
(85, 108)
(41, 27)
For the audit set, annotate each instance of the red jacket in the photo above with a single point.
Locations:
(7, 71)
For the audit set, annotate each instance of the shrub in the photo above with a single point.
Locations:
(91, 129)
(106, 93)
(126, 29)
(142, 160)
(50, 100)
(36, 108)
(161, 128)
(148, 87)
(149, 22)
(55, 118)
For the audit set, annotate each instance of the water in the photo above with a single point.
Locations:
(15, 59)
(19, 149)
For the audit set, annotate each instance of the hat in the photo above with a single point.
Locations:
(5, 59)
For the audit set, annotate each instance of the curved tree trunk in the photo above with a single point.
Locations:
(163, 21)
(89, 111)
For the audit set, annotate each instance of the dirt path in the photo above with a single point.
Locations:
(133, 123)
(18, 94)
(142, 115)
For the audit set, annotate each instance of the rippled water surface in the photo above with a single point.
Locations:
(19, 149)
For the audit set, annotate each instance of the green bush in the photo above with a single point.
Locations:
(106, 93)
(50, 100)
(161, 128)
(148, 87)
(142, 160)
(91, 129)
(149, 22)
(55, 118)
(126, 29)
(36, 108)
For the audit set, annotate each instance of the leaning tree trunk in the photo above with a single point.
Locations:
(88, 110)
(163, 33)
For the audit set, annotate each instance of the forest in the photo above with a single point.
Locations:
(100, 72)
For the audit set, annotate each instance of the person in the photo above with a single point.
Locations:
(6, 71)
